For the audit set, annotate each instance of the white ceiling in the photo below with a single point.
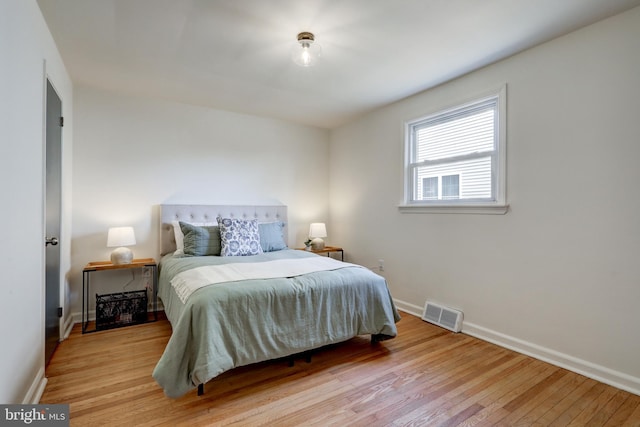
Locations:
(235, 54)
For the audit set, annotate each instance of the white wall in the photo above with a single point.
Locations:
(133, 154)
(559, 275)
(25, 45)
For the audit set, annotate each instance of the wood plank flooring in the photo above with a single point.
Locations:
(425, 376)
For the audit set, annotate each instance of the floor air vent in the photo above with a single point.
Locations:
(443, 316)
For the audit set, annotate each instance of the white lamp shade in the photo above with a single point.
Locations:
(317, 229)
(121, 236)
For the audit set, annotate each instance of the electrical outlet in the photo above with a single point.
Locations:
(380, 265)
(146, 272)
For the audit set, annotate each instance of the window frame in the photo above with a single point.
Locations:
(498, 203)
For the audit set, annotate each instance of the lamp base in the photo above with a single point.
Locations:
(122, 256)
(317, 244)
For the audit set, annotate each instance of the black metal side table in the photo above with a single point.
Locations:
(126, 298)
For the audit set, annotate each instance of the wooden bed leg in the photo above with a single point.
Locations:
(375, 338)
(200, 389)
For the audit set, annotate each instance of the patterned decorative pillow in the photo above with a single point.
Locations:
(200, 241)
(239, 237)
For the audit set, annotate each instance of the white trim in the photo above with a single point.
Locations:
(455, 209)
(77, 316)
(499, 205)
(501, 178)
(583, 367)
(408, 308)
(68, 326)
(37, 386)
(36, 389)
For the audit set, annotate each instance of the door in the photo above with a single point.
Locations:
(53, 165)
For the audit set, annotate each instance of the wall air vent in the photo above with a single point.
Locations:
(443, 316)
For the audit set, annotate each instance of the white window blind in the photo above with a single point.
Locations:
(463, 149)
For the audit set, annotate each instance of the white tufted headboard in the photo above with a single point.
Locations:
(209, 213)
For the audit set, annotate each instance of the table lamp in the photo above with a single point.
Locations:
(119, 237)
(317, 231)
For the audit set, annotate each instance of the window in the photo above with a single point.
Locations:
(455, 159)
(451, 187)
(430, 188)
(441, 187)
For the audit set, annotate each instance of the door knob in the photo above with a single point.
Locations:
(50, 241)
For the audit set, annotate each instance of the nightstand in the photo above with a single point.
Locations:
(327, 250)
(122, 308)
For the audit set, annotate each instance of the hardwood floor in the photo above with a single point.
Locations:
(425, 376)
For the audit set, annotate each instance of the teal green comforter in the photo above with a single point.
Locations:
(232, 324)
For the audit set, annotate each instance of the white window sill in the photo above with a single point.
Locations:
(455, 209)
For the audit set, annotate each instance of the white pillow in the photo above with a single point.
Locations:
(179, 236)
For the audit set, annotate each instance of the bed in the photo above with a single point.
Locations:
(230, 311)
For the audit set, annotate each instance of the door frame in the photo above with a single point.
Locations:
(63, 241)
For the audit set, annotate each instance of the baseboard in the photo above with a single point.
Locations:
(68, 326)
(77, 316)
(409, 308)
(36, 389)
(583, 367)
(588, 369)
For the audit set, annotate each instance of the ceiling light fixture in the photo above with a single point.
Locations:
(306, 52)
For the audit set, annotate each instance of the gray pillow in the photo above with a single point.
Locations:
(201, 240)
(271, 237)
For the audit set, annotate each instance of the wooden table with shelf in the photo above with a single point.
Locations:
(327, 250)
(94, 266)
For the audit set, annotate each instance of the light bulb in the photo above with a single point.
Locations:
(305, 56)
(305, 52)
